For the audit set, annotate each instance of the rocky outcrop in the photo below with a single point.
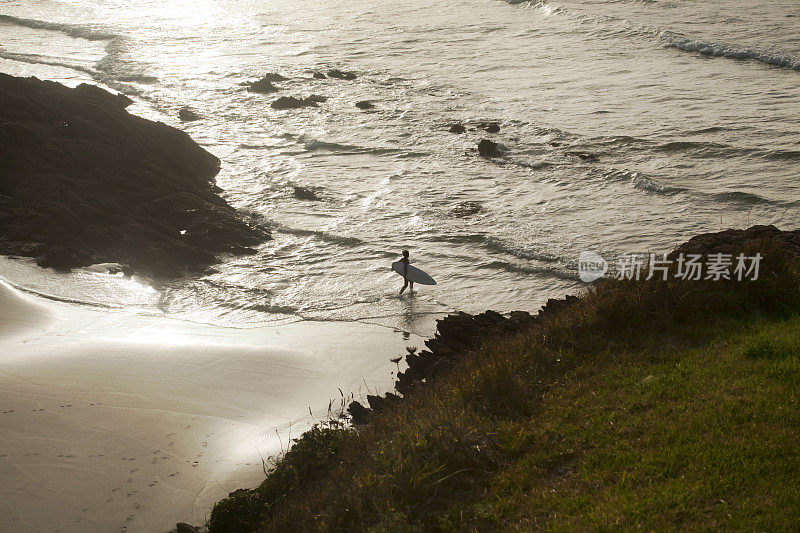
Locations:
(265, 84)
(341, 74)
(186, 114)
(365, 104)
(82, 181)
(262, 86)
(320, 76)
(304, 193)
(733, 241)
(273, 77)
(455, 335)
(457, 128)
(291, 102)
(490, 127)
(488, 148)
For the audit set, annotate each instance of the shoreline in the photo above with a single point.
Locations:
(142, 421)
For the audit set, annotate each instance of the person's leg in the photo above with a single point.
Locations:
(411, 286)
(404, 287)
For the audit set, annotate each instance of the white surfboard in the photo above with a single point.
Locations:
(414, 274)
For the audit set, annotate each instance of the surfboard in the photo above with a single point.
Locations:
(414, 274)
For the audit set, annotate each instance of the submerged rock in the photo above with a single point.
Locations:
(488, 148)
(82, 182)
(365, 104)
(341, 74)
(457, 128)
(291, 102)
(586, 156)
(187, 115)
(304, 193)
(464, 209)
(320, 76)
(490, 127)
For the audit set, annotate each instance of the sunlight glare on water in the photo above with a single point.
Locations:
(624, 126)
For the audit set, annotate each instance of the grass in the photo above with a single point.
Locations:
(646, 405)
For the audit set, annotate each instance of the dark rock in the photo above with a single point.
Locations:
(586, 156)
(262, 86)
(82, 182)
(464, 209)
(341, 75)
(188, 115)
(358, 413)
(457, 128)
(182, 527)
(365, 104)
(317, 99)
(554, 305)
(488, 148)
(733, 241)
(320, 76)
(290, 102)
(305, 194)
(490, 127)
(273, 77)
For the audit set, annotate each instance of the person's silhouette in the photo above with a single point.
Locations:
(409, 284)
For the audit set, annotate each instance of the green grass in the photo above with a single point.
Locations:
(650, 405)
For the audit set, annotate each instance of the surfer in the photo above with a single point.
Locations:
(407, 283)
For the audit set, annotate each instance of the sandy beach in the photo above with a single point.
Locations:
(118, 421)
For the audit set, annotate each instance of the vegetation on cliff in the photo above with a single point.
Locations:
(650, 404)
(82, 181)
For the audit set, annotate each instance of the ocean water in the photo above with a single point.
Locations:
(686, 112)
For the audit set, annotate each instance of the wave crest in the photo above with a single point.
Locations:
(716, 49)
(82, 31)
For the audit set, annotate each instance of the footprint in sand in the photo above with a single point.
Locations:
(130, 518)
(154, 461)
(205, 444)
(11, 411)
(134, 470)
(154, 483)
(130, 480)
(188, 427)
(170, 434)
(174, 474)
(171, 443)
(137, 506)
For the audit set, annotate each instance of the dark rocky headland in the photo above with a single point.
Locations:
(83, 181)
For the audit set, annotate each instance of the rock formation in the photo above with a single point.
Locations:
(82, 181)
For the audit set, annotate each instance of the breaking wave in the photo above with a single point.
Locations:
(82, 31)
(717, 49)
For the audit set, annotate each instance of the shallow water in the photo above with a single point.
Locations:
(688, 112)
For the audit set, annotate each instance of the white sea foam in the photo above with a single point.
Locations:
(730, 51)
(82, 31)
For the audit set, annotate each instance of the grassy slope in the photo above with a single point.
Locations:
(646, 405)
